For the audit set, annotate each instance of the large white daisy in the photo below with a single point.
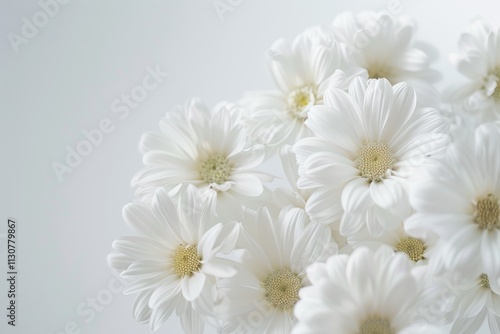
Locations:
(367, 292)
(208, 149)
(479, 62)
(368, 142)
(173, 261)
(458, 198)
(302, 70)
(383, 44)
(261, 296)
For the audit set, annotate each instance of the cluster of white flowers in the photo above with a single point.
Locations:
(391, 223)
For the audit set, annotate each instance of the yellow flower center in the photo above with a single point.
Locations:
(487, 213)
(376, 325)
(282, 289)
(299, 99)
(374, 160)
(186, 260)
(414, 248)
(216, 169)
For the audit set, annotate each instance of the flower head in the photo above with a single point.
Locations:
(458, 199)
(367, 143)
(173, 262)
(302, 70)
(270, 277)
(208, 149)
(366, 292)
(383, 45)
(479, 62)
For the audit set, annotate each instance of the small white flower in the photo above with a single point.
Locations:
(458, 198)
(173, 262)
(476, 300)
(206, 149)
(302, 71)
(368, 142)
(366, 292)
(261, 296)
(479, 62)
(418, 246)
(383, 44)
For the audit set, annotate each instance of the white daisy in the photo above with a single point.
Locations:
(302, 71)
(418, 246)
(475, 301)
(458, 198)
(364, 293)
(173, 262)
(261, 296)
(383, 44)
(368, 142)
(479, 62)
(206, 149)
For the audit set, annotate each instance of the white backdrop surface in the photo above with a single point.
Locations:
(66, 77)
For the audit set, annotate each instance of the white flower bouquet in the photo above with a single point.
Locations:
(390, 223)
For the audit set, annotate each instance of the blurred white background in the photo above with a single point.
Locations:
(64, 79)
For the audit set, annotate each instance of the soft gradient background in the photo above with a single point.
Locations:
(64, 80)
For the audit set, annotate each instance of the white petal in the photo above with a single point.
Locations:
(165, 211)
(247, 184)
(192, 286)
(192, 322)
(386, 193)
(377, 108)
(218, 269)
(356, 196)
(160, 314)
(352, 223)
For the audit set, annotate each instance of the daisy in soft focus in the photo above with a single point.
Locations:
(208, 149)
(367, 292)
(479, 62)
(383, 44)
(261, 296)
(174, 260)
(458, 198)
(418, 245)
(302, 71)
(475, 301)
(367, 143)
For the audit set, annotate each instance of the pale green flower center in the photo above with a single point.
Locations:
(487, 212)
(216, 169)
(374, 161)
(376, 325)
(299, 99)
(186, 260)
(282, 289)
(485, 281)
(414, 248)
(496, 93)
(378, 71)
(495, 76)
